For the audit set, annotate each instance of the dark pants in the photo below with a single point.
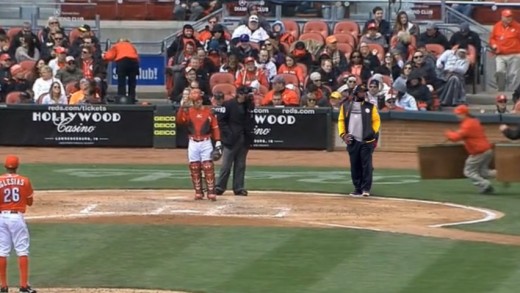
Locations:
(361, 165)
(127, 69)
(236, 156)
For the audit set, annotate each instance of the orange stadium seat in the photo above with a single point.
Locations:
(229, 90)
(347, 27)
(13, 98)
(346, 38)
(27, 65)
(435, 49)
(290, 79)
(221, 77)
(312, 36)
(345, 48)
(292, 27)
(380, 51)
(12, 32)
(316, 26)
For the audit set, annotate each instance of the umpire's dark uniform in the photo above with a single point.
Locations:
(236, 122)
(358, 126)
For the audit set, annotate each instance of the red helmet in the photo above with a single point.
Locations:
(501, 98)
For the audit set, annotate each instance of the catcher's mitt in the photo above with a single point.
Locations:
(216, 154)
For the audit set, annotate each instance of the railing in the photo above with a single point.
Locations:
(43, 9)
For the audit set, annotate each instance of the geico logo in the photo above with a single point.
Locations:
(164, 125)
(164, 118)
(273, 119)
(164, 132)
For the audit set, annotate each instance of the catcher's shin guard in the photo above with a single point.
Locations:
(196, 178)
(209, 174)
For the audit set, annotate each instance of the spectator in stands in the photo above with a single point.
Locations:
(276, 55)
(55, 96)
(389, 67)
(277, 100)
(243, 49)
(302, 55)
(202, 73)
(290, 67)
(309, 101)
(232, 65)
(266, 65)
(432, 35)
(336, 99)
(382, 87)
(59, 62)
(4, 44)
(79, 95)
(428, 57)
(70, 72)
(217, 40)
(359, 67)
(178, 44)
(206, 63)
(402, 43)
(252, 29)
(278, 33)
(16, 83)
(402, 98)
(209, 30)
(35, 71)
(347, 84)
(86, 38)
(402, 24)
(390, 104)
(465, 35)
(383, 26)
(426, 70)
(373, 36)
(53, 27)
(253, 9)
(55, 41)
(453, 64)
(93, 68)
(328, 75)
(215, 58)
(217, 100)
(504, 40)
(27, 50)
(338, 58)
(42, 85)
(417, 89)
(315, 86)
(177, 63)
(289, 97)
(405, 72)
(92, 94)
(251, 73)
(5, 62)
(370, 60)
(375, 94)
(501, 104)
(18, 39)
(190, 75)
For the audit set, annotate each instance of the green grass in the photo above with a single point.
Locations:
(253, 259)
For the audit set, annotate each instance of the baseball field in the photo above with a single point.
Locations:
(123, 220)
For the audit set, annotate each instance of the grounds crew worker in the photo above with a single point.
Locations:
(127, 61)
(358, 126)
(478, 147)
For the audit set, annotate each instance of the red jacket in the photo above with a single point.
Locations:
(473, 135)
(506, 38)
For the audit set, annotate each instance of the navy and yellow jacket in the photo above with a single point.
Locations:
(370, 119)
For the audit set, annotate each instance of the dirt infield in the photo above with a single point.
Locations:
(259, 209)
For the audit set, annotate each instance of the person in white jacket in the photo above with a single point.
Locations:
(252, 29)
(452, 66)
(402, 99)
(42, 85)
(265, 63)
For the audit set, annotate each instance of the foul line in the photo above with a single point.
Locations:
(489, 215)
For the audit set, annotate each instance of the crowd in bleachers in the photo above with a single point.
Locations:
(315, 65)
(51, 66)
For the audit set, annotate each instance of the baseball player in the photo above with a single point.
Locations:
(478, 147)
(16, 194)
(202, 126)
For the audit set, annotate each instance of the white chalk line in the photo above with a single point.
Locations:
(283, 212)
(489, 215)
(88, 209)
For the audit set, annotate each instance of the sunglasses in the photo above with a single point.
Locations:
(268, 44)
(356, 56)
(417, 56)
(408, 67)
(71, 63)
(391, 101)
(351, 81)
(58, 39)
(56, 87)
(53, 22)
(311, 100)
(373, 87)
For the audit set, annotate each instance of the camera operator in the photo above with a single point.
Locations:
(236, 122)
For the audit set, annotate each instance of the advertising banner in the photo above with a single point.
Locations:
(77, 125)
(151, 71)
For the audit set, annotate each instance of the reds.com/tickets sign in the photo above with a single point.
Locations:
(83, 125)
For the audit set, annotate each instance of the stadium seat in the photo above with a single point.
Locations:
(347, 27)
(27, 65)
(345, 48)
(286, 47)
(290, 79)
(346, 38)
(312, 36)
(380, 51)
(316, 26)
(229, 90)
(221, 77)
(12, 32)
(435, 49)
(292, 27)
(13, 98)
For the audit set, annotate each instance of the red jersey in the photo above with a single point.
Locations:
(202, 124)
(16, 193)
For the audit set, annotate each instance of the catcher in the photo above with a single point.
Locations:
(202, 126)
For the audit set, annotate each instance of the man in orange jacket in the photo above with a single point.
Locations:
(505, 42)
(127, 61)
(478, 147)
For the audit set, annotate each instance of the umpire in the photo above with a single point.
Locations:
(358, 126)
(236, 122)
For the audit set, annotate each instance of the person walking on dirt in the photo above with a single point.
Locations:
(478, 147)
